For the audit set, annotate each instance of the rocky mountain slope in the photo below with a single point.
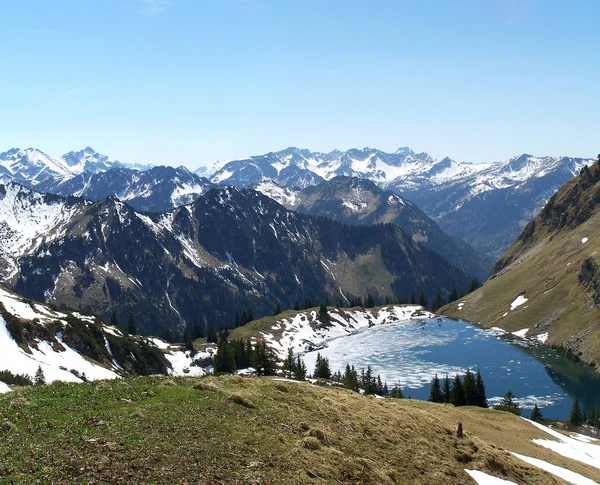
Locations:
(547, 283)
(228, 251)
(359, 201)
(74, 347)
(484, 204)
(179, 430)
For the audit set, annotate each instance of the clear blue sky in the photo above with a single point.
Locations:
(190, 81)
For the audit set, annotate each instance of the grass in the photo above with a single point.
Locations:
(202, 430)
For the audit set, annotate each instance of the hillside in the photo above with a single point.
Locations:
(359, 201)
(248, 430)
(228, 251)
(74, 347)
(548, 282)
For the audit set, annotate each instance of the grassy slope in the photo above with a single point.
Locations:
(557, 304)
(161, 430)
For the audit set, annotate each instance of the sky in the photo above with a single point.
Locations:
(187, 82)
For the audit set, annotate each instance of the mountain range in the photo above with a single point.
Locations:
(230, 250)
(485, 204)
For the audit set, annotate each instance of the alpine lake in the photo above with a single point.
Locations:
(409, 353)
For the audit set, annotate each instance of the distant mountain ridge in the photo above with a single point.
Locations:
(485, 204)
(229, 250)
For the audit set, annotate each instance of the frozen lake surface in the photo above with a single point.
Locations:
(410, 353)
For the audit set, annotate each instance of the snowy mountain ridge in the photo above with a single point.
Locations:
(33, 166)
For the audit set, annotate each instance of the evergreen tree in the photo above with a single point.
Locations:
(397, 392)
(470, 389)
(453, 296)
(289, 364)
(576, 417)
(438, 302)
(211, 334)
(39, 379)
(457, 393)
(300, 370)
(113, 320)
(473, 285)
(277, 310)
(481, 400)
(509, 404)
(369, 302)
(224, 360)
(421, 300)
(536, 414)
(296, 306)
(131, 330)
(323, 314)
(322, 369)
(350, 378)
(435, 394)
(263, 359)
(446, 390)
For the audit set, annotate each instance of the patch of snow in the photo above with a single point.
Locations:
(4, 388)
(584, 240)
(568, 475)
(484, 479)
(542, 337)
(16, 360)
(521, 333)
(182, 363)
(460, 305)
(161, 344)
(519, 300)
(566, 446)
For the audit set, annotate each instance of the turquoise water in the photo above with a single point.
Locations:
(410, 353)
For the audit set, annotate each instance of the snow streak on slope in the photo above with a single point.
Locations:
(587, 453)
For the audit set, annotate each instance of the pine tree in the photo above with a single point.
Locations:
(446, 390)
(438, 302)
(322, 369)
(296, 306)
(211, 334)
(576, 417)
(421, 300)
(536, 414)
(277, 310)
(435, 394)
(470, 389)
(457, 393)
(481, 399)
(289, 364)
(131, 330)
(224, 360)
(369, 302)
(39, 379)
(300, 370)
(397, 392)
(323, 314)
(509, 404)
(113, 320)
